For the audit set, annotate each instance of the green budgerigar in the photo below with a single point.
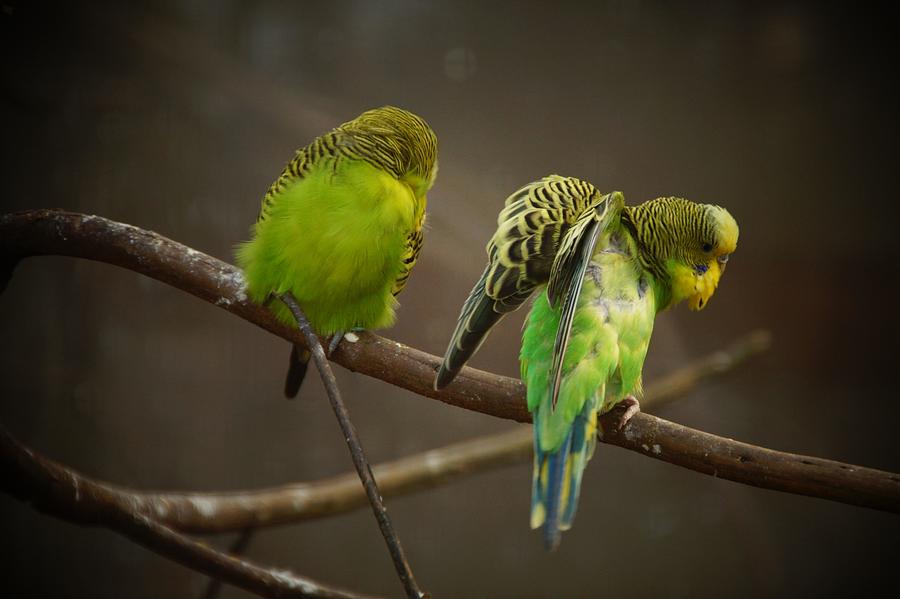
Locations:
(341, 228)
(603, 270)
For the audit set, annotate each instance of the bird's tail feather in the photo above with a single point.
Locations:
(297, 365)
(556, 481)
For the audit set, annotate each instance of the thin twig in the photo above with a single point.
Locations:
(67, 495)
(356, 450)
(42, 232)
(237, 549)
(224, 512)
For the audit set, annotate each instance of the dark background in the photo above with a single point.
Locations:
(175, 117)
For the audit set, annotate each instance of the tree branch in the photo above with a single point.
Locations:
(42, 232)
(31, 477)
(248, 510)
(237, 549)
(360, 462)
(63, 493)
(758, 466)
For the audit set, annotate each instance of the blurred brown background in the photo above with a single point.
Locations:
(175, 116)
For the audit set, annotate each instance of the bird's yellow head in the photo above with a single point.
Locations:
(696, 278)
(687, 245)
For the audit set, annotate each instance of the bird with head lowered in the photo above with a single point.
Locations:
(602, 272)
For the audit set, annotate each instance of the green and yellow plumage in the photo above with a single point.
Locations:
(603, 271)
(341, 228)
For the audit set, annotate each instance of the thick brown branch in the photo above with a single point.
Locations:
(63, 493)
(55, 232)
(757, 466)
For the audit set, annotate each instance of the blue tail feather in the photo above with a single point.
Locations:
(556, 468)
(584, 439)
(557, 477)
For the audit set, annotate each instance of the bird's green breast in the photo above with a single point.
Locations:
(610, 335)
(334, 239)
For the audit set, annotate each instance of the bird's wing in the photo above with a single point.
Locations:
(323, 147)
(521, 254)
(409, 257)
(567, 273)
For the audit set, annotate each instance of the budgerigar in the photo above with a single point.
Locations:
(341, 228)
(603, 271)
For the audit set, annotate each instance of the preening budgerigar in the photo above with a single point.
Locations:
(602, 271)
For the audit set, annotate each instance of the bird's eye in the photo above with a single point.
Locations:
(723, 258)
(706, 247)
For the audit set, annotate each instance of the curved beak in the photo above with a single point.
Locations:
(706, 284)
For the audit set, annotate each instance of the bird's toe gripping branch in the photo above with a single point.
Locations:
(629, 406)
(340, 336)
(334, 342)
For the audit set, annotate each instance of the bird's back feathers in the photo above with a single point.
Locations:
(569, 267)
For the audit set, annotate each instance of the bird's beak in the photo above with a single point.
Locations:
(706, 285)
(697, 302)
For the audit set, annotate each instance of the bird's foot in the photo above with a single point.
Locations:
(629, 406)
(334, 341)
(339, 336)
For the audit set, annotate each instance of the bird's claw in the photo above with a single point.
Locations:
(334, 341)
(629, 406)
